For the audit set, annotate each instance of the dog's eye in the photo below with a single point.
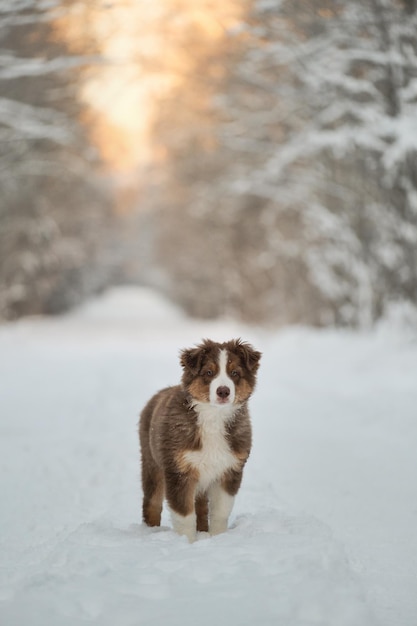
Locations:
(209, 373)
(234, 373)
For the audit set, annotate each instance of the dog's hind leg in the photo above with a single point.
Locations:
(201, 509)
(153, 493)
(152, 477)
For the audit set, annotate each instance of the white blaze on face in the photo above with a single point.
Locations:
(221, 382)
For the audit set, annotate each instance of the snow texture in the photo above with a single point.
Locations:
(324, 529)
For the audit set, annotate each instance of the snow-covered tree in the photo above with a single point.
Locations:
(345, 168)
(51, 208)
(304, 206)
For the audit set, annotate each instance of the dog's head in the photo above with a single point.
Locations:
(220, 374)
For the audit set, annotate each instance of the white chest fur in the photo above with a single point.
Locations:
(215, 457)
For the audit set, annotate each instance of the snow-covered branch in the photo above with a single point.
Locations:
(33, 122)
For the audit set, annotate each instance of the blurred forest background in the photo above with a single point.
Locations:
(254, 159)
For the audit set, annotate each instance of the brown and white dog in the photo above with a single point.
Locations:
(196, 437)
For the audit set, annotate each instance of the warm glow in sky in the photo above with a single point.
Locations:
(145, 49)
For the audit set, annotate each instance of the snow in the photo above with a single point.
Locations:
(324, 529)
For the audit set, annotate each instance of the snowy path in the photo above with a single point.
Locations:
(324, 530)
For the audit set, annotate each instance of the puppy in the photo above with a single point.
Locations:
(196, 437)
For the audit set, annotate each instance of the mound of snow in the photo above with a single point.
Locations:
(129, 304)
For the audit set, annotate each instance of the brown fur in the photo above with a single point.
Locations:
(169, 429)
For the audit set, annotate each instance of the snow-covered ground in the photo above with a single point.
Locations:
(324, 530)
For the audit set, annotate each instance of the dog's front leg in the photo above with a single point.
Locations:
(180, 494)
(220, 507)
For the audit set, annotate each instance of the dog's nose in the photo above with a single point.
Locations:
(223, 392)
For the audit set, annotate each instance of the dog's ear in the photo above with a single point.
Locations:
(248, 354)
(191, 359)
